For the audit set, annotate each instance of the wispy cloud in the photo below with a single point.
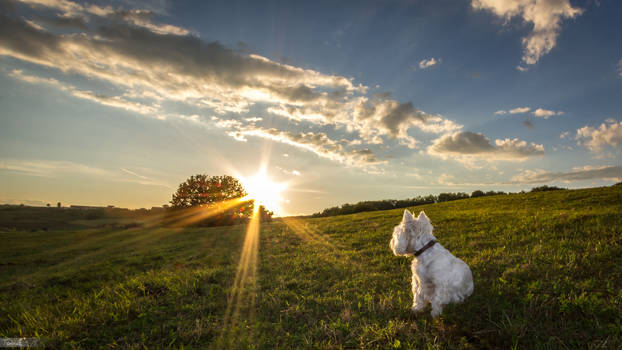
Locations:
(545, 16)
(317, 143)
(144, 180)
(48, 168)
(607, 173)
(55, 168)
(110, 101)
(539, 112)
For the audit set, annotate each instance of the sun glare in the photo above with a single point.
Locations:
(264, 191)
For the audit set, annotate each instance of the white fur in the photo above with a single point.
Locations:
(438, 277)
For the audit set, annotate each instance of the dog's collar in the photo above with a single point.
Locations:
(425, 247)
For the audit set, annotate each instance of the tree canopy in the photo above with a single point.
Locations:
(215, 193)
(203, 189)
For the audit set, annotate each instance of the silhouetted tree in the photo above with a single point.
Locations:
(446, 197)
(477, 193)
(204, 189)
(217, 194)
(546, 188)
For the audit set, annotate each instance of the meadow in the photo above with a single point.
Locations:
(547, 268)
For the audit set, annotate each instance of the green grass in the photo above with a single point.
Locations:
(546, 266)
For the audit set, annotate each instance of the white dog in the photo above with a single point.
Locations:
(439, 278)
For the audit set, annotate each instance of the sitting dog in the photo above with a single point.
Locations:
(439, 278)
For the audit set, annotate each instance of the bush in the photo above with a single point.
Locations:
(545, 188)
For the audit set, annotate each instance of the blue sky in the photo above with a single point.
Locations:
(118, 102)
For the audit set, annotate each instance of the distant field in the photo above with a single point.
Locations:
(547, 269)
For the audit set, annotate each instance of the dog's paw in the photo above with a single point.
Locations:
(418, 308)
(436, 311)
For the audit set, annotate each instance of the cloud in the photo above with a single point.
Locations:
(46, 168)
(544, 113)
(468, 146)
(144, 180)
(595, 139)
(53, 168)
(540, 112)
(619, 67)
(519, 110)
(110, 101)
(429, 63)
(609, 173)
(73, 14)
(157, 65)
(318, 143)
(545, 16)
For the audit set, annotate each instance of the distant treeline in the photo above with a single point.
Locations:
(386, 204)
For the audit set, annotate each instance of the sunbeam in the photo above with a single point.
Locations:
(244, 287)
(186, 217)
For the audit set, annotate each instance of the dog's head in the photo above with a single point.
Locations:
(406, 233)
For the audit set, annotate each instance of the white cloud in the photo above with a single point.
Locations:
(544, 113)
(608, 173)
(519, 110)
(540, 112)
(595, 139)
(468, 147)
(154, 65)
(429, 63)
(620, 67)
(544, 15)
(318, 143)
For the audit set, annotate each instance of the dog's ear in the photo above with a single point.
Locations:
(408, 217)
(423, 219)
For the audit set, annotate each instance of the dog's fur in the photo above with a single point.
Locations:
(438, 277)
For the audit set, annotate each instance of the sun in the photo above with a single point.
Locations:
(264, 191)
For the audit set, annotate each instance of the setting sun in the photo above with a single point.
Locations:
(264, 191)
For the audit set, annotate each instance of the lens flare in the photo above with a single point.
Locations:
(264, 191)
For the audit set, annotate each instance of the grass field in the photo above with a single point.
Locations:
(547, 270)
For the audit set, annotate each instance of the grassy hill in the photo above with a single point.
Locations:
(547, 268)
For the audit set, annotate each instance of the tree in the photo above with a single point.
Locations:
(217, 194)
(477, 193)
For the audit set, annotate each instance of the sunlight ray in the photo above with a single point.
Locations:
(193, 215)
(244, 287)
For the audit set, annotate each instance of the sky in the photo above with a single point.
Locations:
(117, 103)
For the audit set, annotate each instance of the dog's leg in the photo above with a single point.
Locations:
(418, 298)
(437, 301)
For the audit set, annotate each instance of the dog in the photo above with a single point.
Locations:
(438, 277)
